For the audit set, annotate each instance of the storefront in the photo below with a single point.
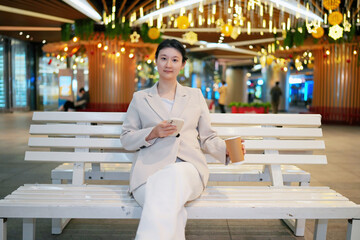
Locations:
(17, 75)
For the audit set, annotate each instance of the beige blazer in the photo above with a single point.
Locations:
(146, 110)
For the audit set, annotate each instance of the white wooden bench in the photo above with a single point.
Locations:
(270, 145)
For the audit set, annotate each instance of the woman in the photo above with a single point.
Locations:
(169, 170)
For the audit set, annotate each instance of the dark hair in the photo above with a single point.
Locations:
(81, 89)
(172, 43)
(277, 83)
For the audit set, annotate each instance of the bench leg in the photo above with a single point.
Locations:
(29, 228)
(297, 226)
(353, 229)
(320, 229)
(58, 225)
(3, 229)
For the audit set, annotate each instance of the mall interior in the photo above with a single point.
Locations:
(50, 49)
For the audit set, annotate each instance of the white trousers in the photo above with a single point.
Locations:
(163, 198)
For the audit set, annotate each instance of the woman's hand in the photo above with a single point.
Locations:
(163, 129)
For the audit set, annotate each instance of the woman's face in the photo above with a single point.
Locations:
(169, 63)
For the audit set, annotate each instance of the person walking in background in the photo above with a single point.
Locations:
(222, 98)
(275, 93)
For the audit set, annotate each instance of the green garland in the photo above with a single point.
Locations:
(66, 32)
(121, 30)
(297, 38)
(84, 28)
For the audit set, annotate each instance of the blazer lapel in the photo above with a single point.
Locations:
(181, 99)
(156, 103)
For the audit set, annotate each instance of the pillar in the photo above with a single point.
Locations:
(237, 88)
(336, 83)
(111, 77)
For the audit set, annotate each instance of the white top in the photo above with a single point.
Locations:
(168, 103)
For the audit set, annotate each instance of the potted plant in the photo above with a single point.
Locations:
(239, 107)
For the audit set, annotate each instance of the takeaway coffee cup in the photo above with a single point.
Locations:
(234, 147)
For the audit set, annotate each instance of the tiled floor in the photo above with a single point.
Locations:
(342, 174)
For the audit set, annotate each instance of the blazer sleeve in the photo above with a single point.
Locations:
(133, 134)
(209, 141)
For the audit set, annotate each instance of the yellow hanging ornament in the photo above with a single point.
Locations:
(335, 18)
(310, 65)
(227, 29)
(269, 60)
(154, 33)
(319, 32)
(182, 22)
(331, 4)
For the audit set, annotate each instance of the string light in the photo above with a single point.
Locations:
(157, 4)
(201, 7)
(270, 26)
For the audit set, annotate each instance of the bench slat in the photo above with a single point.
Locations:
(118, 167)
(268, 132)
(199, 203)
(96, 192)
(129, 157)
(266, 119)
(74, 129)
(111, 188)
(235, 210)
(107, 143)
(216, 118)
(208, 197)
(97, 117)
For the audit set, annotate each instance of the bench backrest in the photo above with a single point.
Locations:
(270, 139)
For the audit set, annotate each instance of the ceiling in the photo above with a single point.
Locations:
(39, 20)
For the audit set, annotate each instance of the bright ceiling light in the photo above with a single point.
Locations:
(294, 8)
(168, 10)
(84, 7)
